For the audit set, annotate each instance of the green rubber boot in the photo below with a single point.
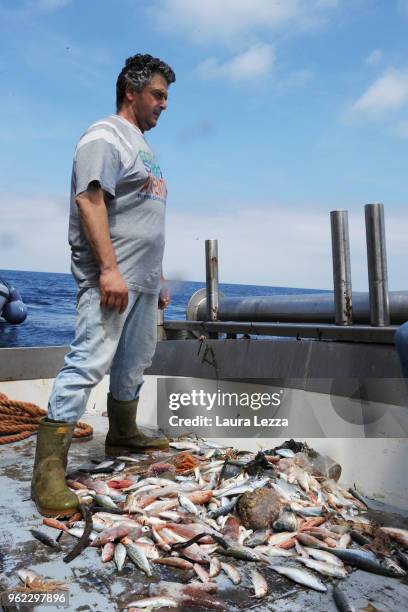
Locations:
(48, 487)
(124, 436)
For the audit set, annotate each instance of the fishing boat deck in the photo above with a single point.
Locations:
(98, 586)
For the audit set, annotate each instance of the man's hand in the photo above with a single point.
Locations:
(113, 289)
(164, 298)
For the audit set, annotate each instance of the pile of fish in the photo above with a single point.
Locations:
(200, 509)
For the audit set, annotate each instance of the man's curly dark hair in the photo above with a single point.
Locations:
(137, 71)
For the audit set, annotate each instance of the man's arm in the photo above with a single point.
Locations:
(94, 219)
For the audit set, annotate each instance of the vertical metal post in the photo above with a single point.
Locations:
(341, 267)
(377, 265)
(161, 334)
(211, 266)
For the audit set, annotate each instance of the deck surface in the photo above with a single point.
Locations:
(99, 587)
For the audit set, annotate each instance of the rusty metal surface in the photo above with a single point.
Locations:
(99, 587)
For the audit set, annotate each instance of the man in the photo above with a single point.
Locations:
(116, 233)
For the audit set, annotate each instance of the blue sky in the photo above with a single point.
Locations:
(282, 111)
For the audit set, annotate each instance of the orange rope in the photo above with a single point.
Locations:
(19, 420)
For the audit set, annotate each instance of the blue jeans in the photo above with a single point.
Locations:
(401, 344)
(104, 338)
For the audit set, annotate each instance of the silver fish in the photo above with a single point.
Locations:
(285, 452)
(187, 504)
(258, 538)
(120, 555)
(105, 501)
(185, 446)
(286, 521)
(137, 555)
(27, 575)
(259, 583)
(223, 510)
(323, 555)
(232, 572)
(327, 569)
(363, 560)
(301, 576)
(152, 603)
(341, 601)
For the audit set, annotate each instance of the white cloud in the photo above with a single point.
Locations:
(277, 245)
(36, 233)
(252, 63)
(374, 57)
(266, 244)
(229, 21)
(388, 93)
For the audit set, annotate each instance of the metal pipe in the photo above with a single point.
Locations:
(377, 265)
(211, 266)
(347, 333)
(341, 267)
(296, 307)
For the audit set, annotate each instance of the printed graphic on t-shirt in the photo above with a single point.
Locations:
(154, 186)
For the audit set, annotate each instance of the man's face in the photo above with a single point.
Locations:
(149, 103)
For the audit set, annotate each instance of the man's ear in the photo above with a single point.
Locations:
(130, 92)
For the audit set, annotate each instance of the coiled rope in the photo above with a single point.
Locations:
(19, 420)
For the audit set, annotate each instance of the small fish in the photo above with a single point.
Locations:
(232, 573)
(400, 535)
(276, 539)
(55, 524)
(108, 552)
(273, 551)
(104, 464)
(114, 533)
(301, 576)
(78, 532)
(119, 467)
(137, 555)
(215, 567)
(105, 501)
(27, 575)
(285, 452)
(327, 569)
(120, 555)
(185, 446)
(310, 511)
(244, 553)
(259, 583)
(286, 521)
(258, 538)
(153, 603)
(323, 555)
(174, 562)
(394, 567)
(130, 459)
(341, 600)
(45, 539)
(201, 573)
(308, 540)
(363, 560)
(187, 504)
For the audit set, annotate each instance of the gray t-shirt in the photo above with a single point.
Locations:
(114, 152)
